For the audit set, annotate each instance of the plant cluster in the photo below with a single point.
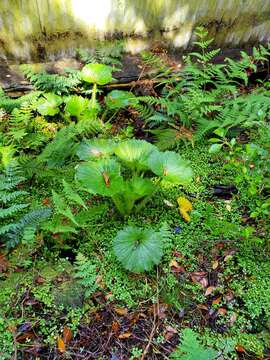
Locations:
(101, 178)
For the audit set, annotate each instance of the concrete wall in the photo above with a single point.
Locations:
(47, 29)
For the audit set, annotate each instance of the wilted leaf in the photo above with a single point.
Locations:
(217, 301)
(222, 311)
(215, 265)
(67, 335)
(61, 345)
(233, 318)
(115, 326)
(176, 267)
(168, 203)
(121, 311)
(240, 348)
(125, 335)
(3, 263)
(202, 307)
(209, 290)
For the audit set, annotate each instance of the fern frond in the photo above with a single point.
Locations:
(59, 84)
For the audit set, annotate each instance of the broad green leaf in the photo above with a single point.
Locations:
(138, 249)
(76, 105)
(101, 177)
(135, 153)
(95, 149)
(118, 99)
(49, 105)
(170, 167)
(139, 187)
(97, 74)
(215, 148)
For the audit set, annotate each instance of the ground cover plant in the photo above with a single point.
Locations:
(137, 226)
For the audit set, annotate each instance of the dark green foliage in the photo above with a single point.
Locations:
(7, 103)
(109, 53)
(12, 208)
(59, 84)
(206, 95)
(86, 273)
(191, 349)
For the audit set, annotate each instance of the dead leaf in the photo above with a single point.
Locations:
(46, 201)
(228, 257)
(25, 336)
(39, 280)
(67, 336)
(215, 265)
(217, 301)
(233, 318)
(240, 348)
(171, 329)
(61, 345)
(229, 296)
(115, 326)
(125, 335)
(159, 309)
(170, 332)
(209, 290)
(4, 263)
(200, 278)
(202, 307)
(168, 203)
(121, 311)
(222, 311)
(176, 267)
(109, 296)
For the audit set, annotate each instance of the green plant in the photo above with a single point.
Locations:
(16, 225)
(70, 211)
(118, 99)
(105, 174)
(138, 249)
(60, 84)
(49, 104)
(206, 95)
(106, 52)
(96, 74)
(86, 273)
(191, 348)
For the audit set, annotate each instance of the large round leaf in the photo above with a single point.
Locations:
(49, 104)
(118, 99)
(135, 153)
(138, 249)
(102, 177)
(170, 167)
(76, 105)
(95, 149)
(97, 74)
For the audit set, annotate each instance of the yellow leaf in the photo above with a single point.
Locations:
(184, 203)
(185, 215)
(61, 345)
(121, 311)
(185, 207)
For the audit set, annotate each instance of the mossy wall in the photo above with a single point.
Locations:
(45, 29)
